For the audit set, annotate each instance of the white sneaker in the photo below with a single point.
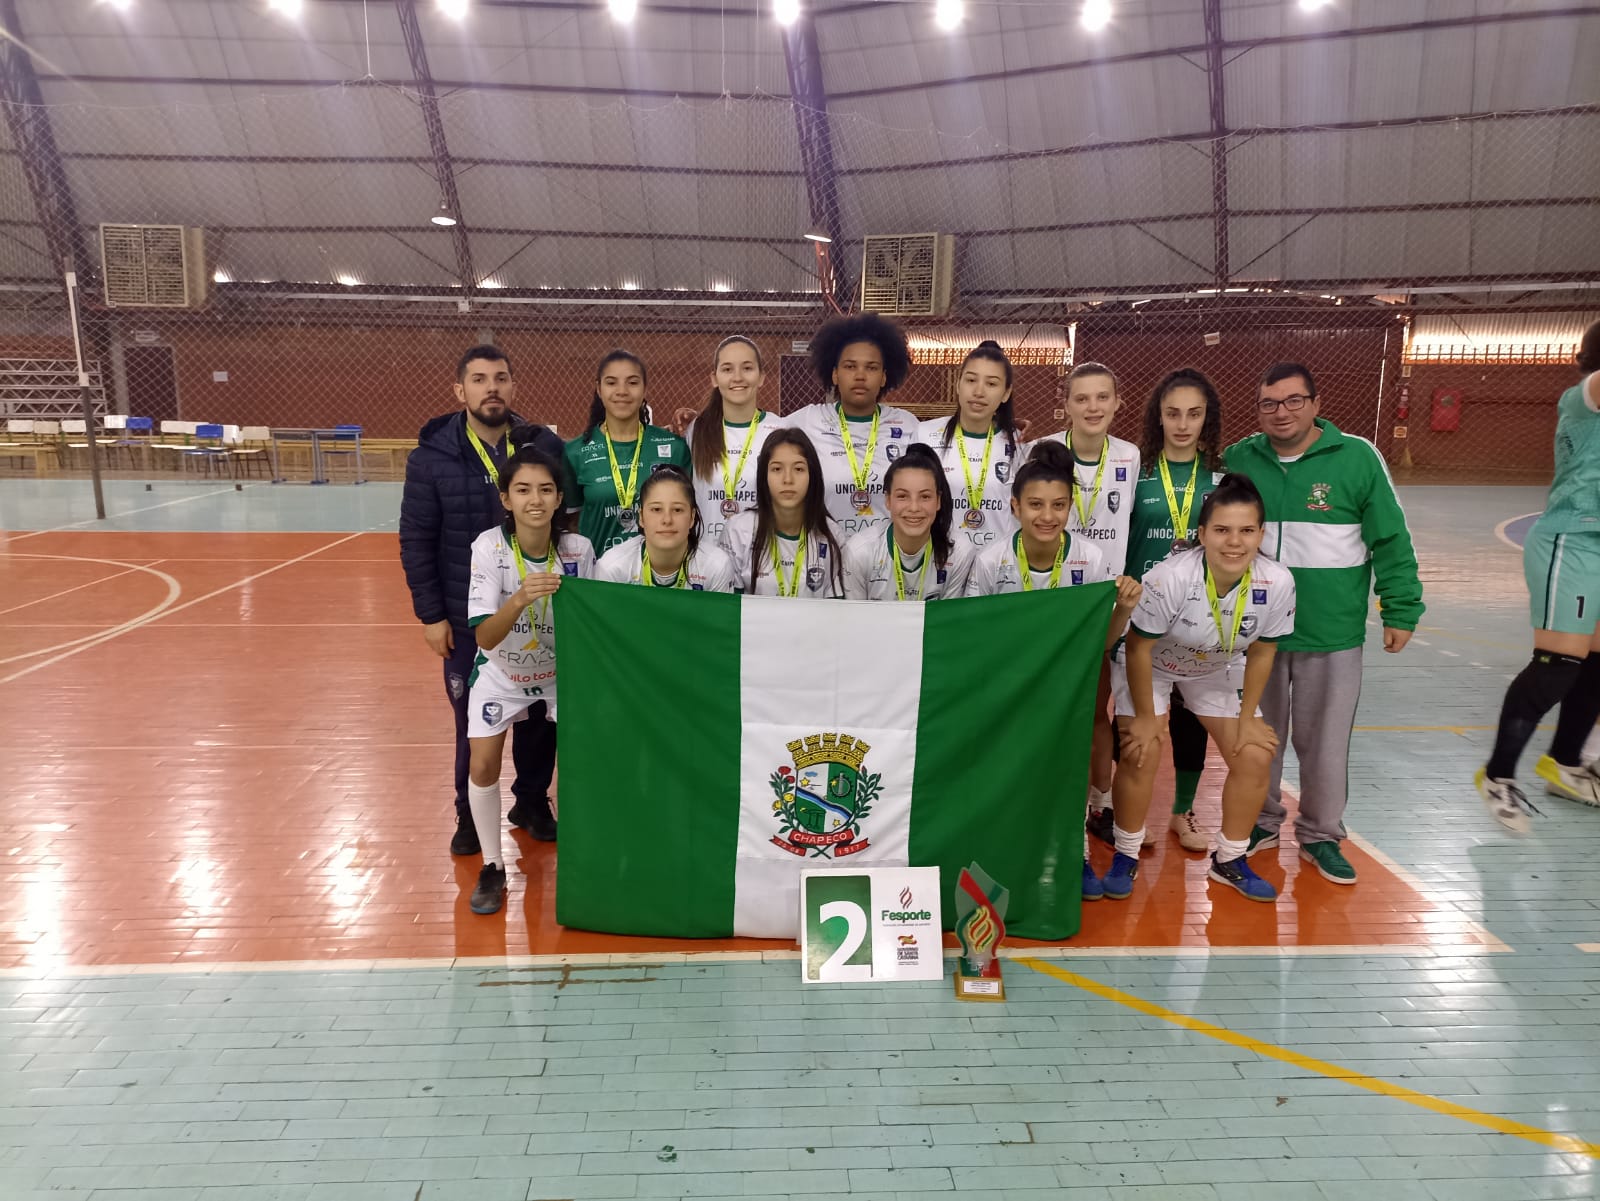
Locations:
(1190, 836)
(1505, 802)
(1573, 783)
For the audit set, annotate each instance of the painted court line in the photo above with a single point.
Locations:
(105, 579)
(1490, 942)
(166, 504)
(1500, 530)
(1565, 1143)
(138, 623)
(72, 646)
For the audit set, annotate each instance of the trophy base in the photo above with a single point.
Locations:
(979, 988)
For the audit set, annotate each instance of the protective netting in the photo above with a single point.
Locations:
(590, 224)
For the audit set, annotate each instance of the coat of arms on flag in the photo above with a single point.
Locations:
(824, 796)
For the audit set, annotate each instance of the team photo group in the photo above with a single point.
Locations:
(1242, 576)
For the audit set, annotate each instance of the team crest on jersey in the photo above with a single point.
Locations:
(893, 452)
(457, 683)
(823, 797)
(1247, 625)
(1002, 471)
(894, 431)
(1114, 498)
(1258, 596)
(569, 566)
(1318, 500)
(814, 575)
(491, 712)
(664, 450)
(1077, 576)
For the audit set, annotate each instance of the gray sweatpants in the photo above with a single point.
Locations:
(1310, 700)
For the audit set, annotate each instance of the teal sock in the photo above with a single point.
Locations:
(1188, 785)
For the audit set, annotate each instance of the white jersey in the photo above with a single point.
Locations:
(996, 523)
(708, 493)
(525, 660)
(817, 575)
(1112, 510)
(1173, 610)
(997, 570)
(709, 569)
(869, 573)
(897, 429)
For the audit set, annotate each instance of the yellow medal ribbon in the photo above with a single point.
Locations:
(793, 588)
(1084, 514)
(483, 452)
(522, 574)
(974, 498)
(1027, 572)
(1228, 638)
(900, 575)
(1180, 517)
(624, 495)
(648, 577)
(730, 479)
(859, 473)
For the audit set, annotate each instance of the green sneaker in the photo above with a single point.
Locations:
(1329, 862)
(1261, 840)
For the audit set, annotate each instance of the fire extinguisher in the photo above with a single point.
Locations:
(1404, 412)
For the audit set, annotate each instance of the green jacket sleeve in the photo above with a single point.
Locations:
(1394, 560)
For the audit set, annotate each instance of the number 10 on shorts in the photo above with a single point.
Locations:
(878, 924)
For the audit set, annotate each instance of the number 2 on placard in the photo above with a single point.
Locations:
(837, 965)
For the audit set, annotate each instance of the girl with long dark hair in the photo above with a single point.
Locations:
(978, 446)
(914, 557)
(726, 436)
(786, 545)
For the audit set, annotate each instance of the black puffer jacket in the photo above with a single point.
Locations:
(448, 501)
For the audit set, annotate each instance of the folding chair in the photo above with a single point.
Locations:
(252, 448)
(346, 445)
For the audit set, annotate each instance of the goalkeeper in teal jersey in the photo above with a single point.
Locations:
(1561, 562)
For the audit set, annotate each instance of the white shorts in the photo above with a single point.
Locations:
(492, 707)
(1215, 695)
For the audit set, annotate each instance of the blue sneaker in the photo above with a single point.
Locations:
(1093, 890)
(1118, 883)
(1236, 874)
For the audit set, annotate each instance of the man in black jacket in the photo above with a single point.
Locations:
(452, 496)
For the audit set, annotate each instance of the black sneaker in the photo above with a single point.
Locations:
(491, 891)
(465, 841)
(535, 819)
(1099, 823)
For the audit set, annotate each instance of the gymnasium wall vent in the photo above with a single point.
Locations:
(907, 275)
(153, 266)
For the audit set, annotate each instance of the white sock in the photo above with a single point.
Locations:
(1591, 747)
(1128, 841)
(1086, 846)
(1229, 849)
(487, 817)
(1098, 800)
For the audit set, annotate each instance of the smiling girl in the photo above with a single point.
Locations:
(727, 435)
(516, 569)
(914, 558)
(786, 546)
(669, 552)
(978, 446)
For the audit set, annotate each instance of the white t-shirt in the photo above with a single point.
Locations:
(869, 573)
(708, 493)
(817, 575)
(997, 523)
(997, 570)
(709, 568)
(525, 660)
(1174, 610)
(1112, 510)
(897, 429)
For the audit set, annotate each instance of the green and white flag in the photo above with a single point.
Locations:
(714, 745)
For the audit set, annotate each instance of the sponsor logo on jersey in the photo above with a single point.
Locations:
(664, 450)
(1258, 596)
(491, 712)
(939, 574)
(569, 566)
(824, 797)
(1122, 478)
(693, 587)
(894, 431)
(1318, 500)
(1077, 575)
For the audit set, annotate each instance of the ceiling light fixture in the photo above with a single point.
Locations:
(348, 280)
(456, 10)
(623, 10)
(947, 14)
(1096, 15)
(289, 8)
(817, 234)
(444, 216)
(786, 12)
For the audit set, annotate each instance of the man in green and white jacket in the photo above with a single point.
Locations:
(1334, 521)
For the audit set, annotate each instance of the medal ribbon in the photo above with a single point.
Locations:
(860, 474)
(1094, 497)
(1228, 638)
(624, 495)
(793, 588)
(1027, 572)
(1180, 518)
(648, 577)
(483, 453)
(974, 497)
(900, 575)
(730, 480)
(522, 574)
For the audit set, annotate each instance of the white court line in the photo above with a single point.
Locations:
(97, 640)
(1491, 942)
(1592, 948)
(174, 590)
(182, 500)
(68, 591)
(1500, 530)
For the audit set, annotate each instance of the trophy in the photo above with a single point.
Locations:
(980, 925)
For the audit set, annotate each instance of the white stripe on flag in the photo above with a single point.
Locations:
(813, 667)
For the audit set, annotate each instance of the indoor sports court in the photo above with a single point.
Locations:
(238, 958)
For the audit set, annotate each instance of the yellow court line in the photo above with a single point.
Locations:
(1534, 1134)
